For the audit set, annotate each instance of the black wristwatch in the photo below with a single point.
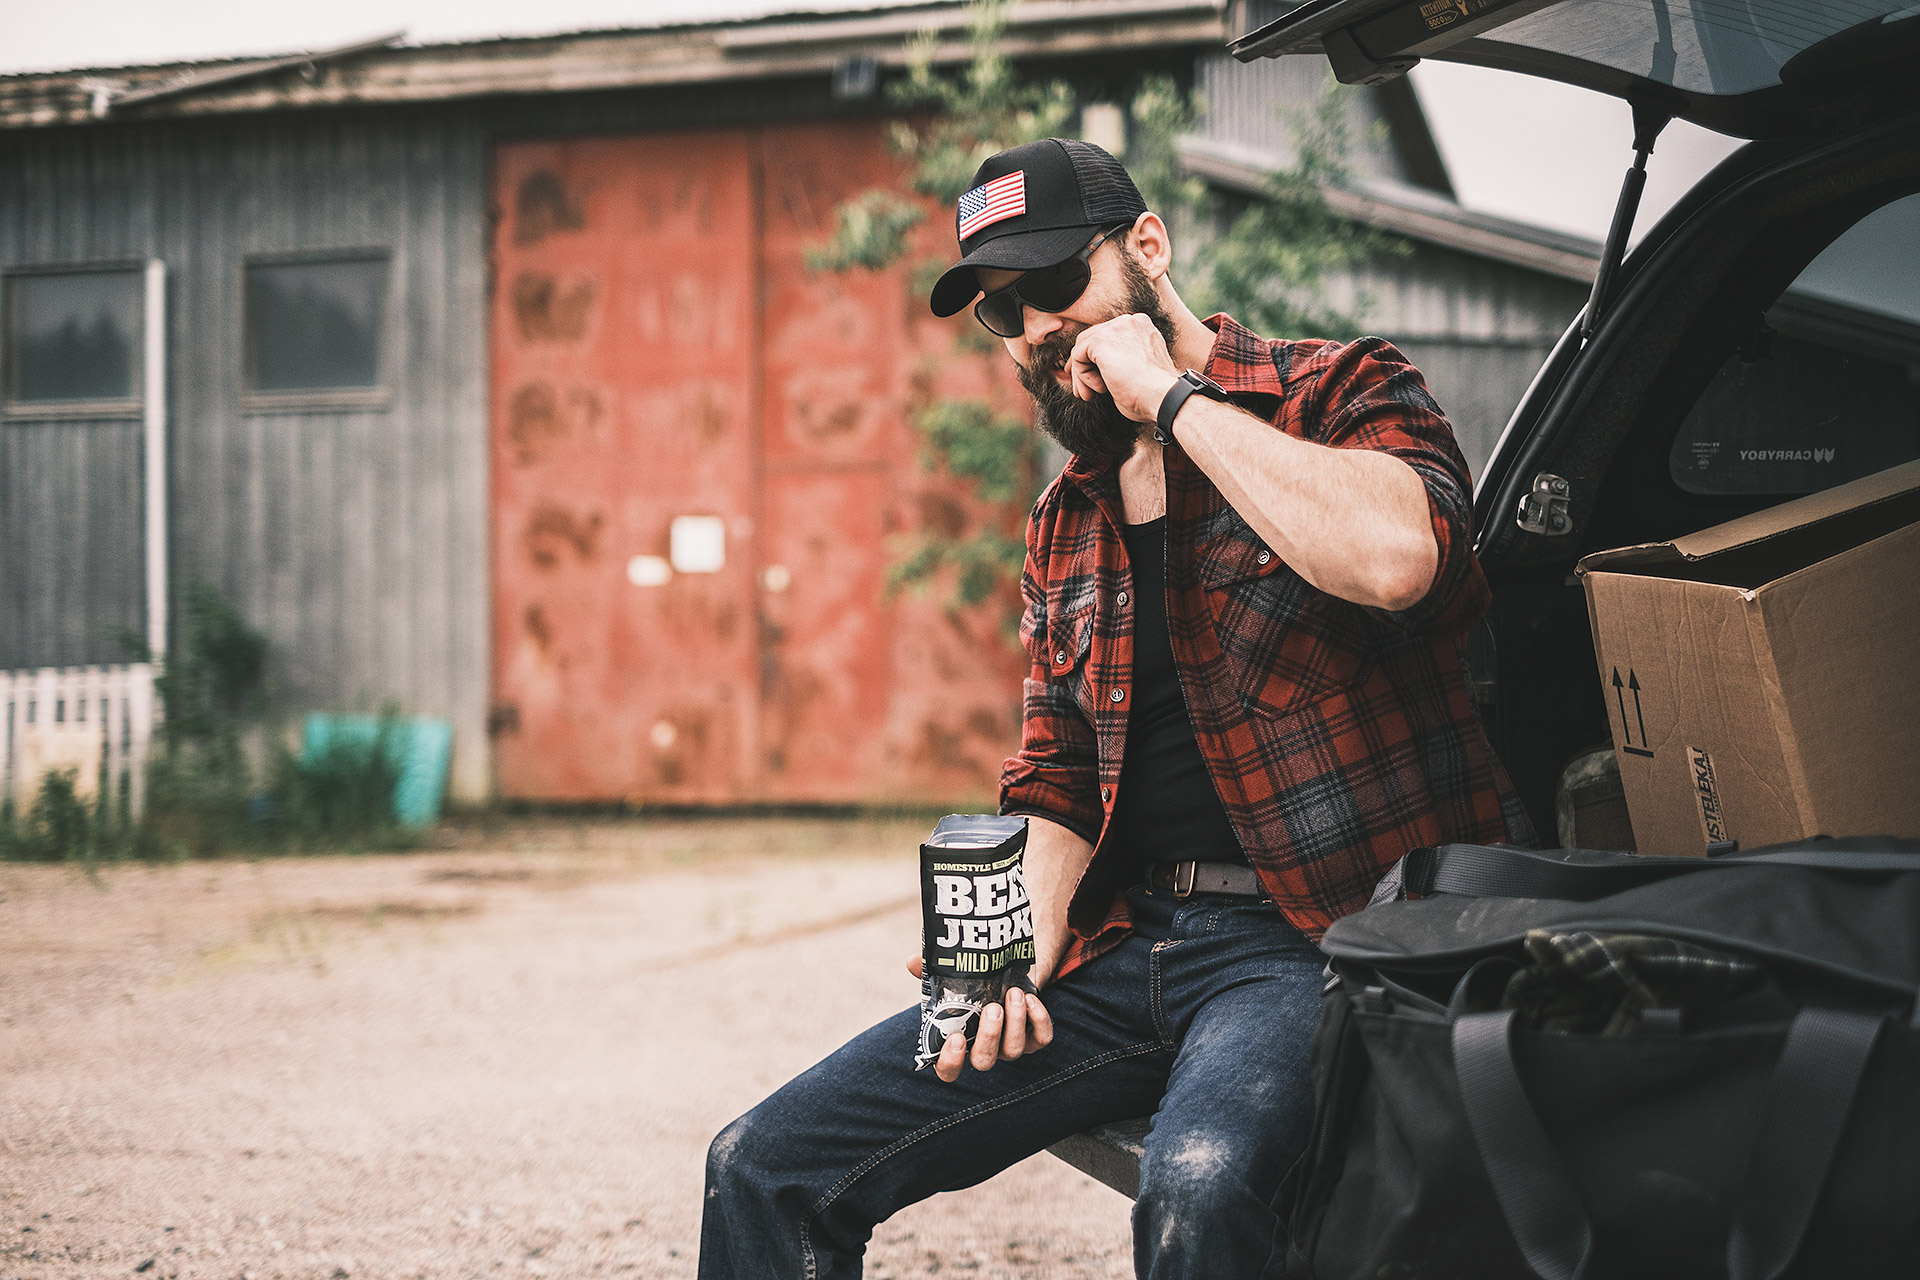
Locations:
(1187, 384)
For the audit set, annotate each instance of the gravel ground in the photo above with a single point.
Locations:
(500, 1057)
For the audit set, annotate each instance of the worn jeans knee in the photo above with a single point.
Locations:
(1186, 1180)
(728, 1158)
(1193, 1201)
(726, 1205)
(749, 1203)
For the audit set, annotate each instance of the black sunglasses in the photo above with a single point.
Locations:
(1049, 289)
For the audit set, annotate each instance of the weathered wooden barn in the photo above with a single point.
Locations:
(490, 379)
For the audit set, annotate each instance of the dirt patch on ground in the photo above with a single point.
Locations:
(479, 875)
(504, 1055)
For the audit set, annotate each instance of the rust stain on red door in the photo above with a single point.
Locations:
(702, 459)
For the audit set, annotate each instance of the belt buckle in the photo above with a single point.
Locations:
(1191, 868)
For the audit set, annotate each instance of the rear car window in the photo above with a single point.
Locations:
(1718, 47)
(1826, 389)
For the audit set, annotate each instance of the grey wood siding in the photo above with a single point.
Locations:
(356, 539)
(1478, 330)
(1261, 107)
(72, 530)
(1477, 384)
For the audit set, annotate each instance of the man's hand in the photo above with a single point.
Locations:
(1128, 359)
(1054, 860)
(1004, 1035)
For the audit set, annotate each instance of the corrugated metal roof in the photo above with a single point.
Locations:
(792, 14)
(1410, 211)
(781, 45)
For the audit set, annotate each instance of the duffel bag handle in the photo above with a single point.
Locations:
(1541, 1207)
(1808, 1098)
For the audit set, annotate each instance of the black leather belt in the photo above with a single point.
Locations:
(1189, 878)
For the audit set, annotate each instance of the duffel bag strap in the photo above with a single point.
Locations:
(1542, 1209)
(1808, 1098)
(1504, 871)
(1582, 875)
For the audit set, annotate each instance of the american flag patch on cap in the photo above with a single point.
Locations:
(1003, 198)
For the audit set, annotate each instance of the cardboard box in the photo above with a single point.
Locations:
(1763, 676)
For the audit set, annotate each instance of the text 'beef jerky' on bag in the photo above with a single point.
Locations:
(977, 938)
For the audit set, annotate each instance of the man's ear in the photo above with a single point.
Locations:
(1153, 244)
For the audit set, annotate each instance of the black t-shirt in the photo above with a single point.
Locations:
(1167, 808)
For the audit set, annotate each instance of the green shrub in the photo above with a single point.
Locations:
(204, 796)
(339, 797)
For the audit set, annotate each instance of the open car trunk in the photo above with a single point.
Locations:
(1749, 68)
(1712, 352)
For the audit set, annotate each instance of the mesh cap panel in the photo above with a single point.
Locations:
(1108, 192)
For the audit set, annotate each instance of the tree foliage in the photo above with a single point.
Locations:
(951, 123)
(1265, 260)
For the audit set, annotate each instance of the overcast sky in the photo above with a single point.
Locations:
(1522, 148)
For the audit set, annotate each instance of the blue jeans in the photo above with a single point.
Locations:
(1202, 1019)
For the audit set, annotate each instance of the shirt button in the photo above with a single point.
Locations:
(1121, 598)
(1119, 695)
(1106, 794)
(1060, 657)
(1264, 557)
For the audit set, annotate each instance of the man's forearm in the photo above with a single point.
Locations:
(1055, 860)
(1353, 522)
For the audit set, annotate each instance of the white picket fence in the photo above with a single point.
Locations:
(97, 721)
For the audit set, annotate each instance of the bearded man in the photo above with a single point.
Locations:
(1246, 596)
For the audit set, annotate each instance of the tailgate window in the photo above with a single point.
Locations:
(1718, 47)
(1826, 388)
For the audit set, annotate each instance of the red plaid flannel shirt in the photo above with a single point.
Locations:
(1338, 736)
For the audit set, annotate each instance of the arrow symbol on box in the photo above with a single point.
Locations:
(1626, 731)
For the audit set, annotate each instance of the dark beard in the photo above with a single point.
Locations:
(1090, 428)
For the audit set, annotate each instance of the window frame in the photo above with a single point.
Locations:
(134, 406)
(377, 398)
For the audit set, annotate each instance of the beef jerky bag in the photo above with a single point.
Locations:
(976, 925)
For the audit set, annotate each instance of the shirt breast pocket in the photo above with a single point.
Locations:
(1287, 643)
(1070, 652)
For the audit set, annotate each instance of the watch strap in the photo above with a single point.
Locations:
(1184, 386)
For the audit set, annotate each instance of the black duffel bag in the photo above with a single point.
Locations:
(1580, 1065)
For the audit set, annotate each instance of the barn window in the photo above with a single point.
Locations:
(73, 342)
(315, 329)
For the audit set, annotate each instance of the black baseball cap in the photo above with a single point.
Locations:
(1032, 206)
